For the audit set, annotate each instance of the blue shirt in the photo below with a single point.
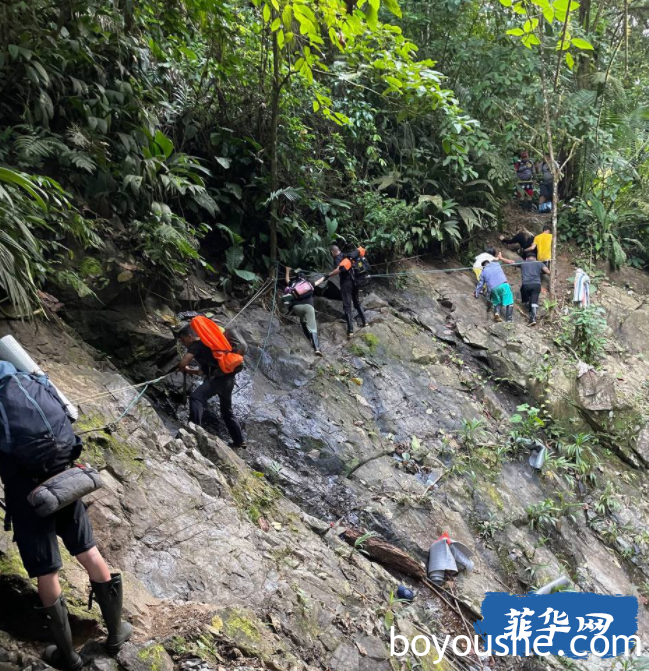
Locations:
(492, 275)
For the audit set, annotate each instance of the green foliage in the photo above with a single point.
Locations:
(582, 332)
(527, 421)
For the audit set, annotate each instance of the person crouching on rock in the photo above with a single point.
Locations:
(499, 290)
(217, 382)
(298, 296)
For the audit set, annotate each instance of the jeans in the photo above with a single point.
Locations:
(221, 386)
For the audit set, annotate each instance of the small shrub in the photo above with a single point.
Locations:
(583, 333)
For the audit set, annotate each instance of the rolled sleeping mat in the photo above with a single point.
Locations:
(440, 560)
(11, 351)
(562, 581)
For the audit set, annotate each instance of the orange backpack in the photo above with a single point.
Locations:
(212, 336)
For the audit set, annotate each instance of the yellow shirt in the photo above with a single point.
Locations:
(543, 244)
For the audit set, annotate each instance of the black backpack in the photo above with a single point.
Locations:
(361, 269)
(35, 430)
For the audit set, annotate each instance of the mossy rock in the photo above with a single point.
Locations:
(148, 657)
(11, 564)
(90, 267)
(247, 632)
(100, 445)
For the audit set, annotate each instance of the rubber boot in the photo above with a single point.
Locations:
(305, 330)
(496, 313)
(109, 596)
(62, 654)
(350, 324)
(361, 316)
(315, 343)
(509, 313)
(533, 312)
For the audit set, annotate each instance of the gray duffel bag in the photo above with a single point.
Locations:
(64, 488)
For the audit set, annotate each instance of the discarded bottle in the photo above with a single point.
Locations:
(404, 593)
(562, 581)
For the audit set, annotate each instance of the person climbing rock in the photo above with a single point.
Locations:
(524, 168)
(523, 242)
(547, 182)
(531, 273)
(217, 383)
(35, 446)
(348, 288)
(300, 303)
(543, 242)
(500, 292)
(489, 254)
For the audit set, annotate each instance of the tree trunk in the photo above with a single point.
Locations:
(274, 167)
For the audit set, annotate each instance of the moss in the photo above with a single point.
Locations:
(90, 267)
(493, 493)
(357, 350)
(371, 341)
(153, 655)
(100, 443)
(256, 497)
(10, 564)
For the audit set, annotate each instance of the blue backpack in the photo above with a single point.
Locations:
(35, 430)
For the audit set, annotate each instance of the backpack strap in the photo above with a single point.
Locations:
(5, 424)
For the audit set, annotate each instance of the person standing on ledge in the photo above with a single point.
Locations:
(348, 288)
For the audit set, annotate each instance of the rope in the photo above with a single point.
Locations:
(264, 287)
(110, 392)
(270, 326)
(111, 425)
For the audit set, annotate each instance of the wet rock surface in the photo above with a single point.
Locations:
(241, 551)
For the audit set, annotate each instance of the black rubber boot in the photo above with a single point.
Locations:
(361, 316)
(62, 654)
(350, 324)
(305, 330)
(509, 313)
(315, 343)
(533, 312)
(109, 596)
(496, 313)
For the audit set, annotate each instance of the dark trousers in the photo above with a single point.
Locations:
(221, 386)
(350, 296)
(530, 293)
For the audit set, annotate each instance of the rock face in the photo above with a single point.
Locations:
(236, 559)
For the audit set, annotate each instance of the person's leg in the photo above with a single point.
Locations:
(226, 387)
(346, 288)
(508, 302)
(496, 302)
(95, 565)
(74, 528)
(357, 304)
(49, 588)
(535, 294)
(198, 401)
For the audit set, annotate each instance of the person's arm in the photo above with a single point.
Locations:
(546, 270)
(239, 345)
(345, 264)
(504, 260)
(531, 247)
(287, 276)
(319, 281)
(183, 366)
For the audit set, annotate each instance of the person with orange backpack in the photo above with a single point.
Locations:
(351, 282)
(219, 353)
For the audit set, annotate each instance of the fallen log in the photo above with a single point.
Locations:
(385, 553)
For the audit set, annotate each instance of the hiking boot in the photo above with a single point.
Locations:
(62, 654)
(497, 316)
(238, 446)
(315, 343)
(533, 312)
(109, 596)
(509, 313)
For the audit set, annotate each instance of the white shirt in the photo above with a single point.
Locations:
(481, 258)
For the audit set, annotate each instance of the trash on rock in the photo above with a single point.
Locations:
(562, 581)
(447, 555)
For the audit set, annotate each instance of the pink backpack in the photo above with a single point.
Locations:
(302, 289)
